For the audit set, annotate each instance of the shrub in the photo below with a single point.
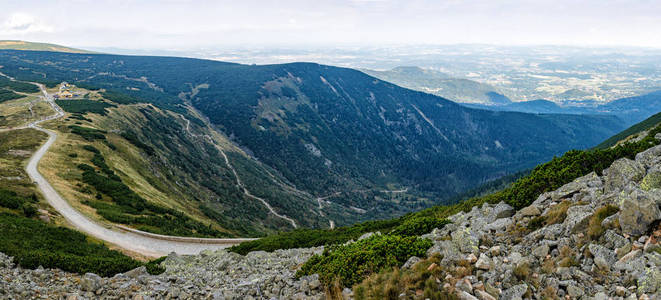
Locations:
(33, 243)
(353, 262)
(419, 226)
(154, 267)
(29, 210)
(84, 106)
(87, 133)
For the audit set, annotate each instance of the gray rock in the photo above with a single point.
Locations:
(637, 211)
(651, 181)
(622, 172)
(650, 281)
(600, 296)
(411, 262)
(605, 255)
(466, 296)
(578, 217)
(466, 240)
(613, 240)
(498, 225)
(541, 251)
(137, 272)
(502, 210)
(484, 262)
(515, 292)
(482, 295)
(530, 211)
(575, 291)
(630, 262)
(90, 282)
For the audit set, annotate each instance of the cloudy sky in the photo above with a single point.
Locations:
(187, 24)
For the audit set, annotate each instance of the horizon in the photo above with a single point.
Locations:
(183, 25)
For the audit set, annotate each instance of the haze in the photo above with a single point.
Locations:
(183, 24)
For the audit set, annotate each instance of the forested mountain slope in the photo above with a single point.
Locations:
(376, 148)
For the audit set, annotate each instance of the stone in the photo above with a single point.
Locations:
(651, 181)
(482, 295)
(541, 251)
(516, 292)
(498, 225)
(622, 172)
(464, 285)
(137, 272)
(600, 296)
(495, 250)
(637, 211)
(650, 281)
(630, 261)
(621, 291)
(90, 282)
(530, 211)
(466, 296)
(411, 262)
(466, 240)
(575, 291)
(502, 210)
(613, 240)
(602, 253)
(577, 219)
(484, 262)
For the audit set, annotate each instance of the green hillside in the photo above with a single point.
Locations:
(633, 130)
(23, 45)
(367, 148)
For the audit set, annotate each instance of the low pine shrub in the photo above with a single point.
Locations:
(351, 263)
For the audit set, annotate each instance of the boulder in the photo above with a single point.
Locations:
(90, 282)
(466, 240)
(650, 281)
(530, 211)
(515, 292)
(541, 251)
(484, 262)
(502, 210)
(498, 225)
(637, 211)
(411, 262)
(651, 181)
(622, 172)
(577, 219)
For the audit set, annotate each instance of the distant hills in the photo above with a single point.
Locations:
(441, 84)
(23, 45)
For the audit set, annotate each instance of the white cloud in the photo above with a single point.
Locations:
(22, 23)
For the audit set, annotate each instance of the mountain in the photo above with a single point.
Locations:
(441, 84)
(630, 110)
(32, 46)
(357, 146)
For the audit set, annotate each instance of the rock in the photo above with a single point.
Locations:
(495, 250)
(367, 235)
(502, 210)
(137, 272)
(600, 296)
(613, 240)
(482, 295)
(466, 296)
(530, 211)
(411, 262)
(484, 263)
(630, 261)
(577, 219)
(471, 258)
(651, 181)
(575, 291)
(650, 281)
(464, 285)
(621, 173)
(637, 211)
(620, 291)
(498, 225)
(466, 240)
(90, 282)
(515, 292)
(541, 251)
(605, 256)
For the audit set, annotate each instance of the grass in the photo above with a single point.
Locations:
(633, 130)
(595, 230)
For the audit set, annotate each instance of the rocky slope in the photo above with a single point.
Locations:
(594, 238)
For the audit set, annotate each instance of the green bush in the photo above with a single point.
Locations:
(87, 133)
(84, 106)
(154, 266)
(29, 210)
(419, 226)
(351, 263)
(33, 243)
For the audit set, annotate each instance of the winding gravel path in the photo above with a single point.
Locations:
(130, 239)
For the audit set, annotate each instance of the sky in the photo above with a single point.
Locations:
(190, 24)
